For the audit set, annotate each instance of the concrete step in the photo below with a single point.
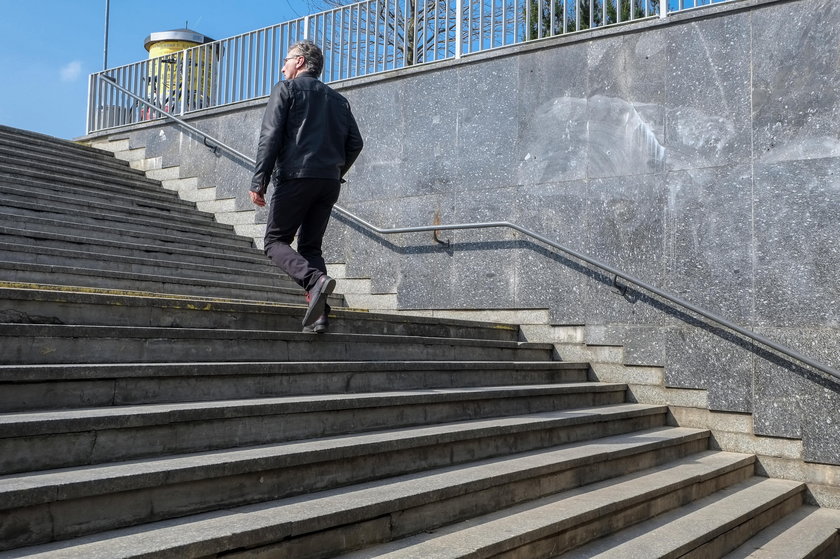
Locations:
(17, 274)
(554, 527)
(63, 158)
(253, 261)
(114, 207)
(193, 233)
(80, 174)
(709, 527)
(132, 195)
(356, 516)
(12, 172)
(114, 308)
(60, 439)
(108, 259)
(806, 533)
(37, 344)
(42, 387)
(106, 497)
(135, 234)
(20, 137)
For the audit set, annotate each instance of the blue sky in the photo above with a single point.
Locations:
(48, 47)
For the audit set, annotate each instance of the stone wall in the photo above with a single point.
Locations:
(699, 153)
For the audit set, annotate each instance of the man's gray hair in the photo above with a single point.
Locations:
(311, 54)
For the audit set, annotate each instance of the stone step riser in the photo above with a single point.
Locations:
(190, 234)
(31, 306)
(35, 344)
(134, 234)
(105, 263)
(122, 195)
(25, 137)
(40, 274)
(20, 198)
(119, 438)
(16, 240)
(66, 163)
(60, 148)
(79, 177)
(111, 510)
(61, 158)
(241, 383)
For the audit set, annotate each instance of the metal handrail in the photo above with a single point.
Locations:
(536, 236)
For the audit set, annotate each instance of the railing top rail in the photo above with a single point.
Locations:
(217, 144)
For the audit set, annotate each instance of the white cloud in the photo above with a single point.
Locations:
(71, 71)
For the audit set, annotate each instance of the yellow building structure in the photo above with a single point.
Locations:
(180, 69)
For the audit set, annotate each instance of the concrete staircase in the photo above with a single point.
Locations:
(158, 399)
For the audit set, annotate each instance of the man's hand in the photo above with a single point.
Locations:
(257, 198)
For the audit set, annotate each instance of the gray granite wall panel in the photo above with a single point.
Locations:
(797, 236)
(708, 357)
(709, 248)
(796, 92)
(626, 105)
(379, 113)
(700, 154)
(626, 225)
(708, 92)
(551, 107)
(547, 279)
(486, 125)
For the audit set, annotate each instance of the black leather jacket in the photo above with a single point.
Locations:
(308, 131)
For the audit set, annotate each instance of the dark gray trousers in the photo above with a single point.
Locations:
(300, 206)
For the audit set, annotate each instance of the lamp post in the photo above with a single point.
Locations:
(107, 21)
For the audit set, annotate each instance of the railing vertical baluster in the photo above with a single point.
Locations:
(128, 103)
(376, 35)
(340, 43)
(251, 56)
(112, 105)
(88, 120)
(206, 76)
(392, 29)
(260, 63)
(221, 72)
(242, 70)
(418, 31)
(233, 66)
(356, 34)
(443, 29)
(183, 85)
(272, 59)
(459, 17)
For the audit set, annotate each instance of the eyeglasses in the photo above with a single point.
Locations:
(292, 57)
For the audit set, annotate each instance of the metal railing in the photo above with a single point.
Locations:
(217, 145)
(368, 37)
